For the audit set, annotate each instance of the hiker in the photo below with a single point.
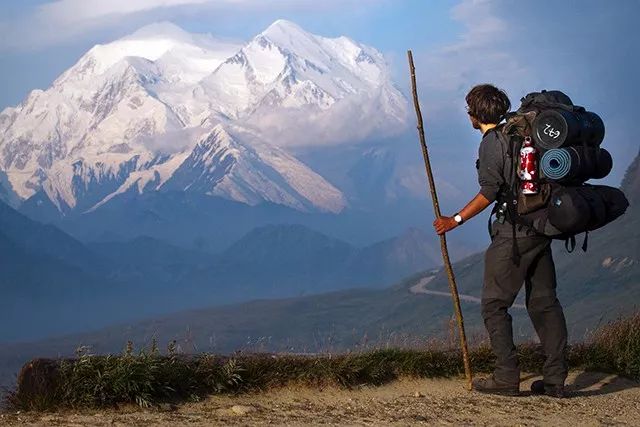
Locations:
(504, 273)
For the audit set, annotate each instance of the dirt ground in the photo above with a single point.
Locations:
(596, 399)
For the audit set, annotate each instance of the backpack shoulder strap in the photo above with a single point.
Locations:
(505, 140)
(510, 190)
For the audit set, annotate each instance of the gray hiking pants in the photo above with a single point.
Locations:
(502, 282)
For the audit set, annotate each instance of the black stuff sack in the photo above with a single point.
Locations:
(574, 210)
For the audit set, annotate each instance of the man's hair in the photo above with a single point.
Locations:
(487, 103)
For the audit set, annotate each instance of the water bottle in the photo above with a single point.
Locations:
(528, 171)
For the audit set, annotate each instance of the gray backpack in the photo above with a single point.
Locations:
(563, 208)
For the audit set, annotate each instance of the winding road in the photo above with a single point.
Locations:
(421, 288)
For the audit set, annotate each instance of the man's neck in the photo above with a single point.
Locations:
(486, 127)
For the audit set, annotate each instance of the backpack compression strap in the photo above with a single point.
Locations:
(570, 243)
(509, 193)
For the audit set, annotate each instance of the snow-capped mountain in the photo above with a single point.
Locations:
(163, 109)
(287, 67)
(221, 164)
(301, 88)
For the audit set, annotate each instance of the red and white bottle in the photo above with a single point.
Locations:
(528, 168)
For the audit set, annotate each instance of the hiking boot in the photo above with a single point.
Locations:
(551, 390)
(537, 387)
(491, 386)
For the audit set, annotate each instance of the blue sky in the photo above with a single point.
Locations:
(588, 48)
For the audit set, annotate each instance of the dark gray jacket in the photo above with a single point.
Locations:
(495, 169)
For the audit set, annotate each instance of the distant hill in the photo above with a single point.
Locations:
(52, 279)
(276, 261)
(604, 286)
(594, 287)
(44, 239)
(188, 220)
(413, 251)
(148, 261)
(51, 283)
(48, 280)
(631, 181)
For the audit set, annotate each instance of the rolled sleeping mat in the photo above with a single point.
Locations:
(604, 164)
(557, 164)
(562, 128)
(576, 164)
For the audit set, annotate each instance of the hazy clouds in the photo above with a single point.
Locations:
(587, 49)
(51, 23)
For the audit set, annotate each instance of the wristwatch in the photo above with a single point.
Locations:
(458, 219)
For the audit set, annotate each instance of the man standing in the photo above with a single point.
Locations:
(504, 275)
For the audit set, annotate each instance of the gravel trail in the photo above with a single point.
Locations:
(596, 399)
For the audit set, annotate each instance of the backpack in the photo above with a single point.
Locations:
(562, 209)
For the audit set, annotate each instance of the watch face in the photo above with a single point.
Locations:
(458, 219)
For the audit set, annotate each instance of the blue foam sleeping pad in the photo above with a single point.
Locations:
(576, 163)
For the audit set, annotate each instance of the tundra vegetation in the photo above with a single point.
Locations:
(149, 377)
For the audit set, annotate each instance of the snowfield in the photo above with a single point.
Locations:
(163, 109)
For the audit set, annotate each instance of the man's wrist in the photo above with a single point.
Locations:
(458, 218)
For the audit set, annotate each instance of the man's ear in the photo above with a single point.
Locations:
(475, 122)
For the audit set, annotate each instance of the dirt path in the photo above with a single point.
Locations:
(596, 399)
(421, 288)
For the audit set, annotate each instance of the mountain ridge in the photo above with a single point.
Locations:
(50, 277)
(140, 104)
(631, 181)
(606, 285)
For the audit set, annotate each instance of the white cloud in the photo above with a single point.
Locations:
(481, 25)
(81, 10)
(60, 21)
(497, 46)
(355, 118)
(479, 55)
(445, 73)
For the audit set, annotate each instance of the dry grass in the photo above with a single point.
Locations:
(148, 377)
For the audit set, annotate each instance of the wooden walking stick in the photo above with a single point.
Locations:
(443, 240)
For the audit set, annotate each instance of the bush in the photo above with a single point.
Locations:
(615, 348)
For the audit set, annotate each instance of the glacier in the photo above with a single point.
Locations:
(164, 110)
